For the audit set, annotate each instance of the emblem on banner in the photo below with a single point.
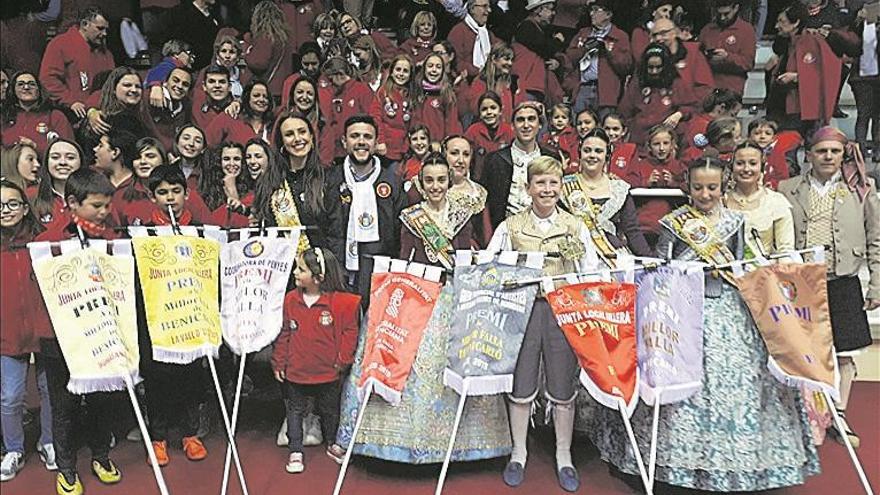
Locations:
(696, 231)
(393, 308)
(366, 220)
(788, 290)
(253, 249)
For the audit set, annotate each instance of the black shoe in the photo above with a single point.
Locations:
(514, 474)
(840, 114)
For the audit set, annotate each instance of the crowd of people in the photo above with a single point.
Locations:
(493, 125)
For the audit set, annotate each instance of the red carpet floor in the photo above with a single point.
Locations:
(264, 468)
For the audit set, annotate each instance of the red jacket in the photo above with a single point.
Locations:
(776, 156)
(643, 111)
(614, 65)
(299, 15)
(694, 72)
(70, 65)
(137, 211)
(566, 142)
(24, 317)
(286, 87)
(225, 128)
(814, 95)
(622, 158)
(639, 40)
(38, 127)
(392, 113)
(462, 39)
(203, 114)
(485, 142)
(696, 125)
(269, 61)
(441, 119)
(337, 105)
(738, 40)
(224, 217)
(317, 342)
(417, 49)
(652, 210)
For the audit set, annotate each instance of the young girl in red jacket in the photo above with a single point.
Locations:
(490, 133)
(561, 135)
(315, 348)
(435, 99)
(624, 154)
(63, 157)
(419, 140)
(22, 327)
(392, 108)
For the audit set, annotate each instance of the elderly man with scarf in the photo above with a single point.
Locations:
(835, 205)
(471, 38)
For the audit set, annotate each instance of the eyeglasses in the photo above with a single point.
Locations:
(13, 205)
(25, 84)
(482, 6)
(660, 34)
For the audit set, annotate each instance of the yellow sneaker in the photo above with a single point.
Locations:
(63, 487)
(108, 474)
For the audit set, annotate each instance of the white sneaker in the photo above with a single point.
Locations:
(295, 463)
(312, 431)
(281, 440)
(47, 455)
(11, 465)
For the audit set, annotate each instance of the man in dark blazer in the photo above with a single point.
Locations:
(504, 171)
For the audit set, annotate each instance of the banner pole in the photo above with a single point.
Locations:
(235, 403)
(849, 448)
(157, 471)
(652, 458)
(348, 451)
(455, 425)
(229, 434)
(621, 406)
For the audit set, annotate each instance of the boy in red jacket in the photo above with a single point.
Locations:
(315, 348)
(88, 195)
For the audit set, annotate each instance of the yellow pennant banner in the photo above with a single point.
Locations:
(90, 298)
(179, 277)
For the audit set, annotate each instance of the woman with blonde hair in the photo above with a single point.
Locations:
(422, 33)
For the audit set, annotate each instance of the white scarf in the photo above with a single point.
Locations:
(363, 218)
(482, 45)
(868, 63)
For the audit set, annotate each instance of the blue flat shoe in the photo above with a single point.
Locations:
(568, 479)
(514, 474)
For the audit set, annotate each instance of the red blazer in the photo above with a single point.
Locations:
(286, 87)
(136, 211)
(70, 65)
(815, 94)
(738, 40)
(485, 142)
(566, 142)
(203, 115)
(645, 111)
(639, 40)
(225, 217)
(441, 119)
(695, 73)
(776, 157)
(463, 39)
(652, 210)
(337, 105)
(269, 61)
(24, 317)
(299, 15)
(622, 159)
(393, 114)
(409, 169)
(316, 343)
(696, 125)
(418, 49)
(38, 127)
(614, 66)
(225, 128)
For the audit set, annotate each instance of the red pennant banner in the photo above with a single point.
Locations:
(598, 319)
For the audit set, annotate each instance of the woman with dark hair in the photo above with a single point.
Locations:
(293, 192)
(722, 137)
(367, 61)
(254, 120)
(20, 164)
(258, 158)
(435, 99)
(63, 157)
(657, 95)
(27, 113)
(302, 97)
(224, 184)
(189, 153)
(802, 76)
(132, 203)
(496, 76)
(603, 201)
